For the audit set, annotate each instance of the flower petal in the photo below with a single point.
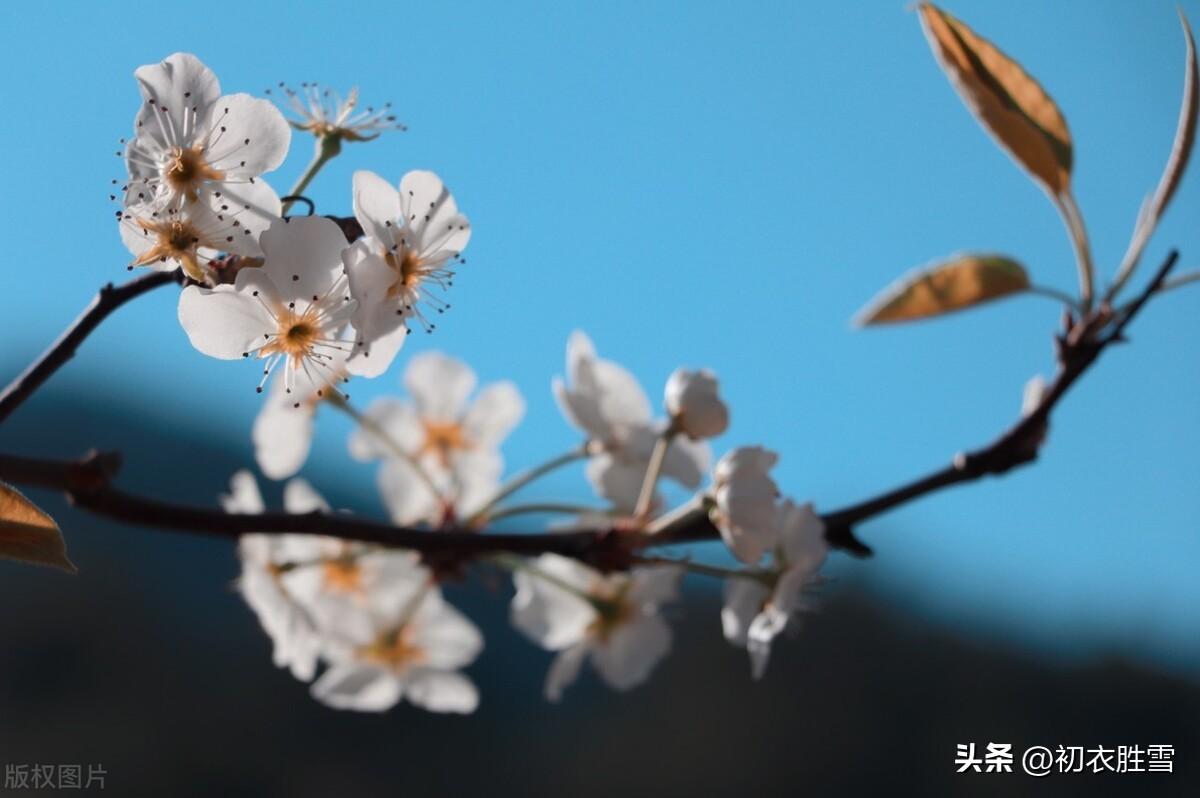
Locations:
(449, 640)
(223, 322)
(248, 137)
(376, 206)
(359, 687)
(282, 433)
(632, 651)
(439, 385)
(744, 599)
(545, 612)
(496, 410)
(564, 670)
(407, 498)
(397, 419)
(304, 256)
(441, 691)
(300, 497)
(183, 86)
(244, 495)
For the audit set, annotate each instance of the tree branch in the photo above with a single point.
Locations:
(106, 301)
(87, 482)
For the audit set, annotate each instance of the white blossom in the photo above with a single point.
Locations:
(695, 405)
(454, 439)
(283, 429)
(411, 647)
(194, 146)
(405, 260)
(567, 607)
(606, 402)
(745, 496)
(754, 614)
(325, 113)
(289, 311)
(166, 238)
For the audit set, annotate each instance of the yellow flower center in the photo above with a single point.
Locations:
(408, 271)
(174, 240)
(613, 609)
(395, 650)
(343, 576)
(444, 439)
(296, 335)
(186, 170)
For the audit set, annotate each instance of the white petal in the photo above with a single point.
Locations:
(243, 496)
(441, 691)
(618, 482)
(282, 433)
(249, 136)
(655, 586)
(182, 85)
(378, 343)
(763, 629)
(359, 687)
(376, 206)
(425, 203)
(744, 599)
(254, 205)
(545, 612)
(222, 322)
(687, 462)
(693, 399)
(564, 670)
(447, 637)
(439, 385)
(398, 420)
(304, 256)
(300, 497)
(406, 496)
(496, 410)
(632, 651)
(802, 537)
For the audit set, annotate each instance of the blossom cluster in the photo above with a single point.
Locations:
(368, 625)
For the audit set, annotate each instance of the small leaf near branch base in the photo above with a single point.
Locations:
(1004, 98)
(29, 535)
(957, 284)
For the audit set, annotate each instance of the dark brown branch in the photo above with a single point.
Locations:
(106, 301)
(87, 482)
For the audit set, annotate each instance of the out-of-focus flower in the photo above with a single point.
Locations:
(289, 311)
(398, 269)
(745, 499)
(755, 612)
(694, 402)
(194, 145)
(411, 647)
(564, 606)
(606, 402)
(325, 114)
(292, 629)
(454, 440)
(166, 239)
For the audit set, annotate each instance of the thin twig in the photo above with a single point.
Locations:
(106, 301)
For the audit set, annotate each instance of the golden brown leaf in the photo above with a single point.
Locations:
(956, 284)
(29, 535)
(1004, 98)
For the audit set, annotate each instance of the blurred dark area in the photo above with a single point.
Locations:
(147, 662)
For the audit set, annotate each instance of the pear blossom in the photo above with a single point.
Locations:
(567, 607)
(288, 311)
(164, 239)
(412, 240)
(326, 114)
(192, 145)
(605, 401)
(755, 612)
(453, 439)
(694, 404)
(745, 495)
(411, 647)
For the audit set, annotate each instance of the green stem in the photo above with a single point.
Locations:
(370, 425)
(327, 148)
(524, 478)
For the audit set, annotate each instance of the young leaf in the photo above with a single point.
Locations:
(956, 284)
(1004, 98)
(29, 535)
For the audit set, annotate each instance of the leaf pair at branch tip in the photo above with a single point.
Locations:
(956, 284)
(29, 535)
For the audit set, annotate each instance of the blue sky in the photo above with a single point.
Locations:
(711, 184)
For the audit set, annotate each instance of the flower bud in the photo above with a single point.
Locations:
(694, 404)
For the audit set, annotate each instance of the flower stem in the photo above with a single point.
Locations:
(653, 470)
(716, 571)
(370, 425)
(524, 478)
(327, 147)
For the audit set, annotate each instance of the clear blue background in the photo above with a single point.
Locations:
(709, 184)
